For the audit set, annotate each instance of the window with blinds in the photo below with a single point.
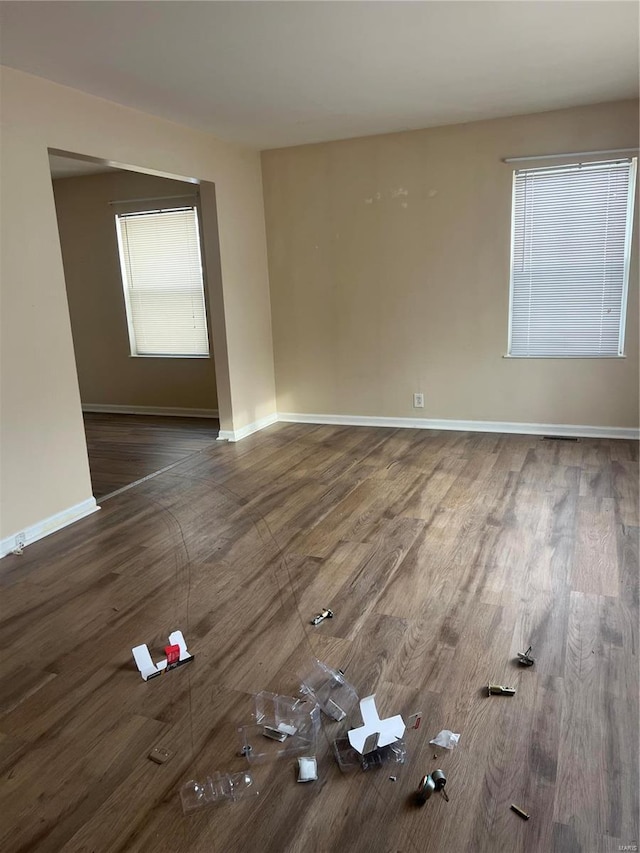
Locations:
(163, 283)
(571, 245)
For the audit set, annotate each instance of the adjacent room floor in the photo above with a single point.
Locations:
(442, 555)
(125, 448)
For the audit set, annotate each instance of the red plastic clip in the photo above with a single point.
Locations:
(172, 653)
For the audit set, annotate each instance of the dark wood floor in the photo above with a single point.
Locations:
(441, 554)
(125, 448)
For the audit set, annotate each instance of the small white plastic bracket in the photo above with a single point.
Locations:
(148, 669)
(375, 732)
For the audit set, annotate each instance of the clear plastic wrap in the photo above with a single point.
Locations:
(446, 739)
(330, 689)
(285, 726)
(350, 759)
(217, 788)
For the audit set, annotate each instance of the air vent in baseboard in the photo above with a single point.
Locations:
(559, 438)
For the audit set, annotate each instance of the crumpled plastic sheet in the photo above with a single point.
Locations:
(446, 739)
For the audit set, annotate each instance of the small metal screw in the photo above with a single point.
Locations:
(324, 614)
(525, 658)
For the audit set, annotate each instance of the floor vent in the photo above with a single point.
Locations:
(559, 438)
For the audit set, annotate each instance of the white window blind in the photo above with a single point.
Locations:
(163, 285)
(570, 253)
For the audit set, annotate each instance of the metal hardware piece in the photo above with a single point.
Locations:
(371, 743)
(499, 690)
(525, 658)
(274, 734)
(245, 752)
(160, 755)
(324, 614)
(520, 812)
(426, 787)
(440, 780)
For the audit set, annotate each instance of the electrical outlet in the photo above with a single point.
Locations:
(21, 541)
(418, 401)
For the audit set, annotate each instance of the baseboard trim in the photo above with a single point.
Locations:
(168, 411)
(573, 430)
(49, 525)
(249, 429)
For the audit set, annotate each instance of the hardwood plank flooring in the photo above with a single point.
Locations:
(441, 554)
(125, 448)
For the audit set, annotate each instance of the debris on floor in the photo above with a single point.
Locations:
(330, 689)
(446, 738)
(500, 690)
(218, 788)
(324, 614)
(284, 726)
(520, 812)
(425, 790)
(307, 769)
(440, 780)
(374, 732)
(414, 721)
(525, 658)
(176, 652)
(160, 755)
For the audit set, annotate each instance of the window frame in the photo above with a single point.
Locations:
(630, 214)
(131, 209)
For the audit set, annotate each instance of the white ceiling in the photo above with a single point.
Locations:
(272, 74)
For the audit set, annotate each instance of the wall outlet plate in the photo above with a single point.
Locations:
(418, 401)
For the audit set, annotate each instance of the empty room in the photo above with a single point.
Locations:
(319, 426)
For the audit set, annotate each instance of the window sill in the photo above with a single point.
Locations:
(158, 355)
(563, 357)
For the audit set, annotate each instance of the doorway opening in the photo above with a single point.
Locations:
(139, 304)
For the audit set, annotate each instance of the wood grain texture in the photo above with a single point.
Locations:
(125, 448)
(441, 554)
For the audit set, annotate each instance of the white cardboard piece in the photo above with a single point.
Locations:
(375, 732)
(148, 669)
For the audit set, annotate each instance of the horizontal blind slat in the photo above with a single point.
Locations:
(570, 249)
(163, 282)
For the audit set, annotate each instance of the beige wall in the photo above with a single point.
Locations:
(389, 272)
(43, 453)
(107, 373)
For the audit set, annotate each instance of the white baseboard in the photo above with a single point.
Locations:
(174, 412)
(249, 429)
(570, 430)
(49, 525)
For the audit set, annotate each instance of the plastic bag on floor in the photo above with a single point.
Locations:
(446, 739)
